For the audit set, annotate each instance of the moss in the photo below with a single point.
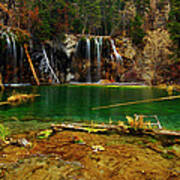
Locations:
(83, 38)
(167, 156)
(152, 140)
(3, 132)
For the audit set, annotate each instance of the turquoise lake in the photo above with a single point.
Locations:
(73, 103)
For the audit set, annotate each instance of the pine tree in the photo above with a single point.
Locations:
(136, 32)
(88, 14)
(112, 17)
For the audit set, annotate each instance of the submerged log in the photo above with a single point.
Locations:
(19, 99)
(136, 102)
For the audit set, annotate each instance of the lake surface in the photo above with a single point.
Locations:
(74, 104)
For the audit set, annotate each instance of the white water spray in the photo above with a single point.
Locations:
(14, 50)
(117, 55)
(45, 61)
(98, 57)
(100, 44)
(88, 57)
(8, 42)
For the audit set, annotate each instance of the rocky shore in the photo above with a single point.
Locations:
(85, 156)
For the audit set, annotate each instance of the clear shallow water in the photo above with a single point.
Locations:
(75, 103)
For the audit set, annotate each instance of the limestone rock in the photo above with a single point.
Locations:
(70, 44)
(126, 48)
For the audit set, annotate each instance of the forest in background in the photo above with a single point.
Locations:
(147, 23)
(51, 19)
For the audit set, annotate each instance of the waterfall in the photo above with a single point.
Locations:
(117, 55)
(22, 54)
(88, 57)
(112, 57)
(76, 48)
(14, 50)
(100, 44)
(45, 61)
(98, 58)
(21, 61)
(8, 42)
(14, 57)
(11, 49)
(52, 58)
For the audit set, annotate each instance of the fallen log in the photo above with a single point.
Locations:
(31, 64)
(104, 128)
(136, 102)
(77, 127)
(167, 133)
(1, 83)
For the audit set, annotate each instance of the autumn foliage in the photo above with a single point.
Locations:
(43, 20)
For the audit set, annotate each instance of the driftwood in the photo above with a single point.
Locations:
(136, 102)
(17, 99)
(104, 128)
(83, 127)
(31, 64)
(167, 132)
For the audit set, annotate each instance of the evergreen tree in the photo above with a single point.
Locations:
(53, 16)
(136, 32)
(142, 6)
(88, 14)
(112, 16)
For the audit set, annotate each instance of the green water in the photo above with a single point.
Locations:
(75, 103)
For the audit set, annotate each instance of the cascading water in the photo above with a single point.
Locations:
(21, 61)
(76, 48)
(101, 43)
(14, 50)
(11, 51)
(98, 57)
(88, 57)
(117, 55)
(52, 58)
(8, 42)
(14, 57)
(82, 50)
(46, 64)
